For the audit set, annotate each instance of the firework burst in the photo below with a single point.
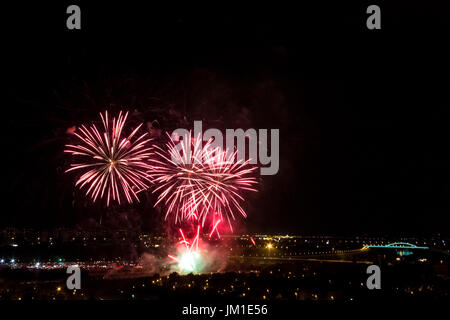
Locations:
(115, 165)
(201, 181)
(189, 260)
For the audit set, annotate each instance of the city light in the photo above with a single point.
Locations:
(255, 268)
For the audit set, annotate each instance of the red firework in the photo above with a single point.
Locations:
(115, 166)
(189, 258)
(201, 182)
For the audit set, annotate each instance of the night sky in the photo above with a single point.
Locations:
(363, 115)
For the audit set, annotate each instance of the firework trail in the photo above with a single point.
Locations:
(189, 259)
(201, 182)
(115, 166)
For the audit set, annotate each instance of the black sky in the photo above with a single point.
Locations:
(363, 115)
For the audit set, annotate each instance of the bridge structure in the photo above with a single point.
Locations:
(397, 245)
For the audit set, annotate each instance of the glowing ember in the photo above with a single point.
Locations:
(189, 259)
